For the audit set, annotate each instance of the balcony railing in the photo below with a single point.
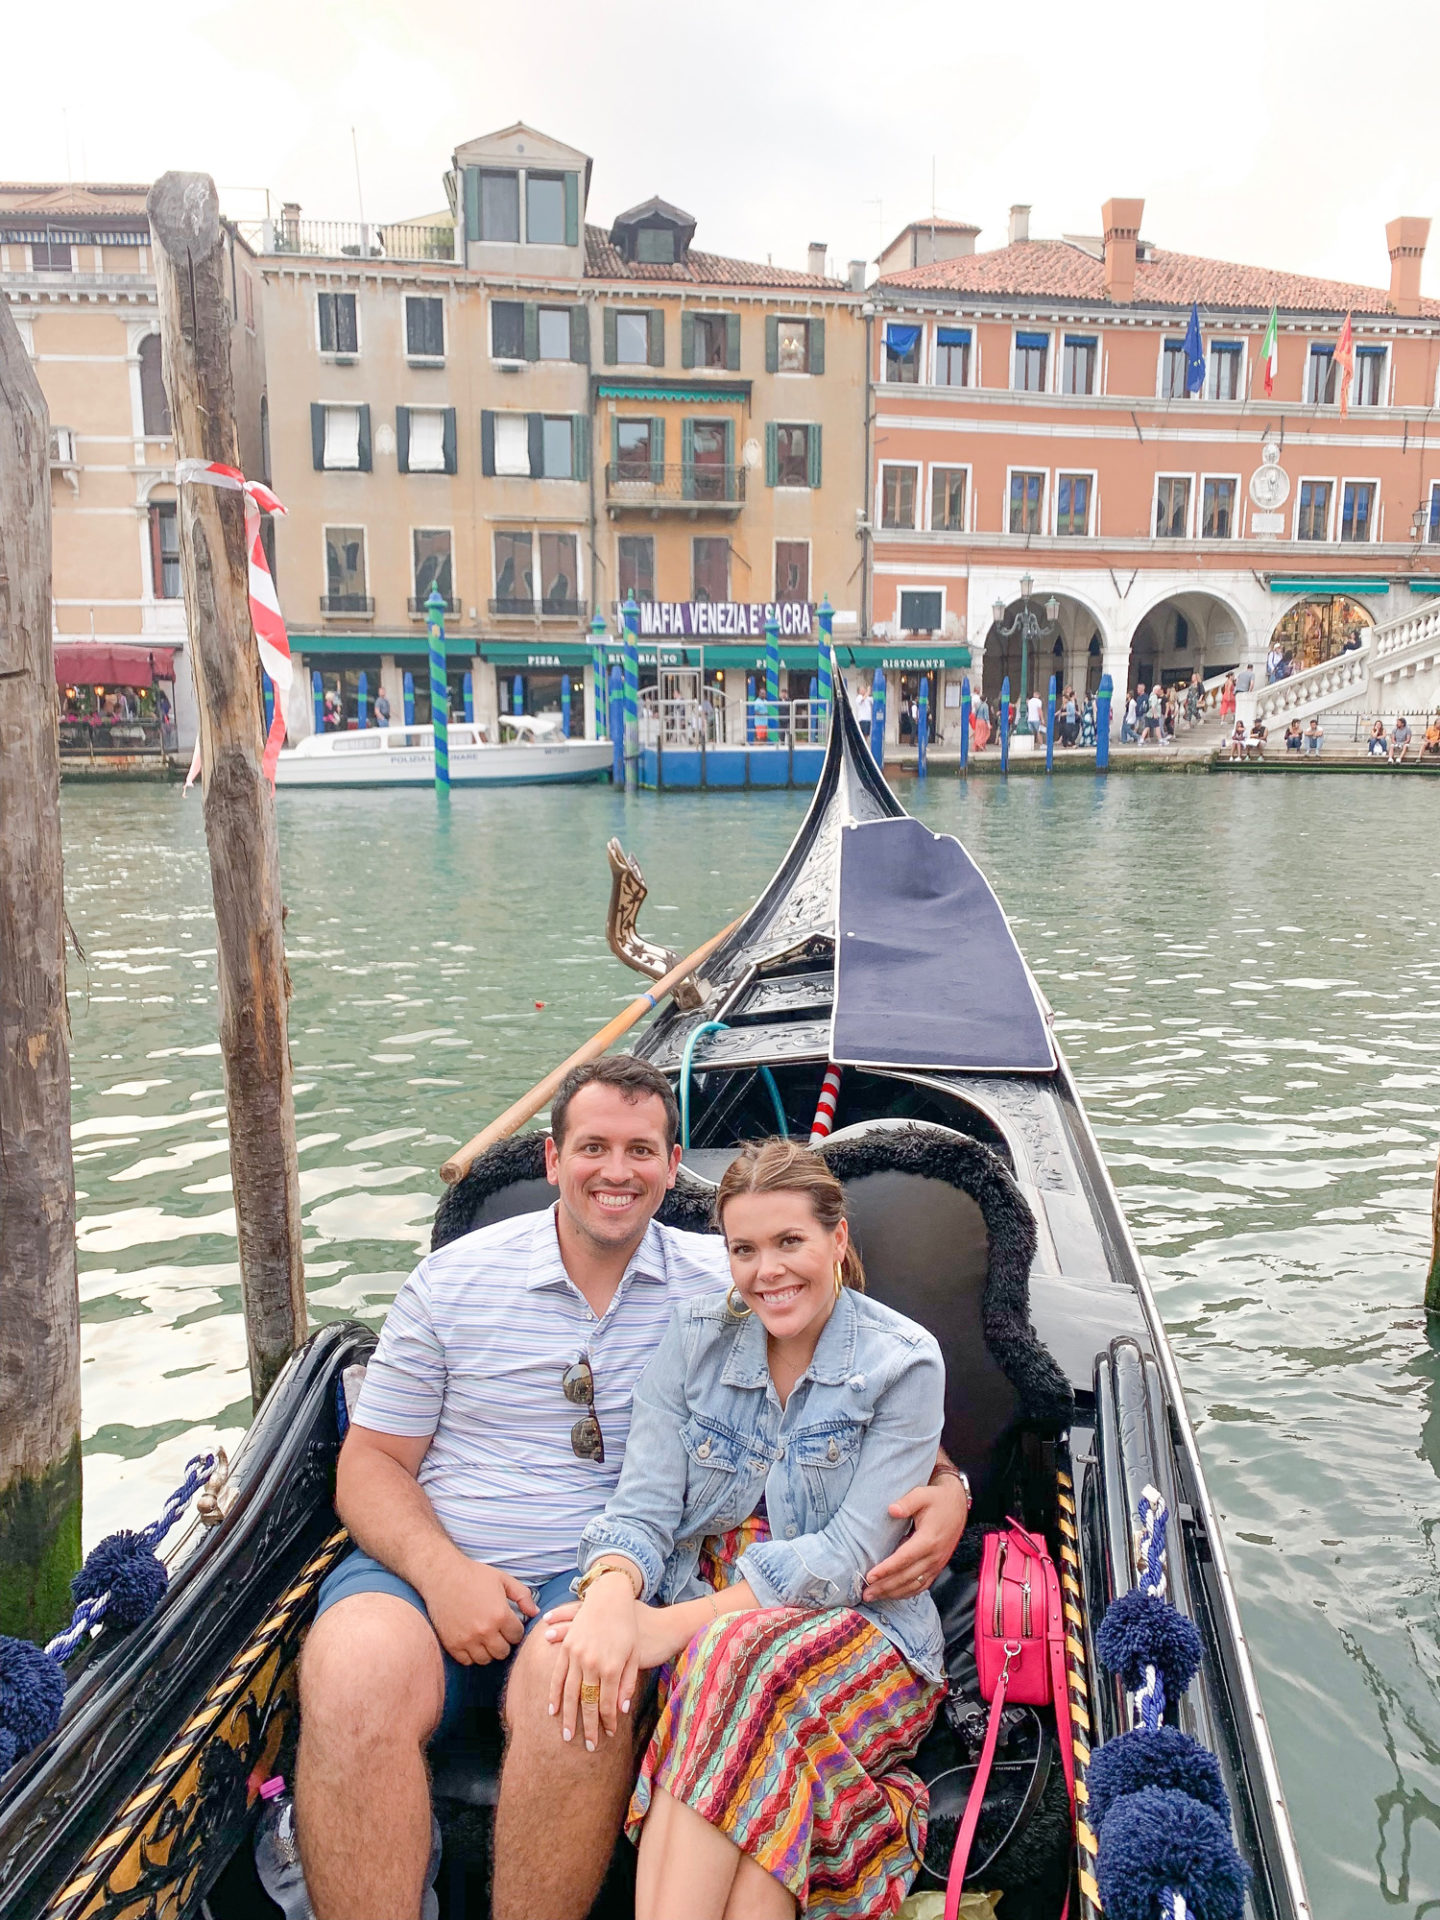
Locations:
(693, 486)
(421, 607)
(350, 239)
(550, 607)
(361, 603)
(97, 734)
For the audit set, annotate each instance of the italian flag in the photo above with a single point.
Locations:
(1269, 349)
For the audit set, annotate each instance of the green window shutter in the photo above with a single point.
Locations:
(536, 424)
(572, 209)
(772, 454)
(580, 332)
(609, 329)
(472, 203)
(365, 463)
(657, 453)
(614, 441)
(687, 338)
(731, 482)
(687, 459)
(402, 439)
(532, 330)
(487, 444)
(448, 442)
(317, 435)
(812, 440)
(657, 337)
(817, 346)
(772, 343)
(732, 343)
(580, 446)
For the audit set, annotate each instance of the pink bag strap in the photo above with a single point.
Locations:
(965, 1839)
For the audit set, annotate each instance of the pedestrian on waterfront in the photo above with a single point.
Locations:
(1255, 747)
(382, 708)
(980, 723)
(1035, 713)
(1314, 735)
(1227, 697)
(1400, 741)
(332, 712)
(1194, 698)
(1072, 717)
(1155, 716)
(1292, 737)
(1432, 738)
(864, 711)
(1237, 741)
(1274, 663)
(1128, 723)
(1377, 746)
(1246, 681)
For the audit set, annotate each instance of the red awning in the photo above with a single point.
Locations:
(98, 663)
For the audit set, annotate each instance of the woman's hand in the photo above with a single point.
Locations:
(661, 1633)
(598, 1649)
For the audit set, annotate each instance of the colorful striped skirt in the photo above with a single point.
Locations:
(788, 1731)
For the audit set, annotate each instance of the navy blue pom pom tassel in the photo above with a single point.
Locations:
(32, 1691)
(1158, 1839)
(128, 1569)
(1141, 1630)
(1165, 1758)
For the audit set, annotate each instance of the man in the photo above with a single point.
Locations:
(1245, 679)
(1400, 741)
(1035, 714)
(490, 1428)
(1314, 735)
(382, 708)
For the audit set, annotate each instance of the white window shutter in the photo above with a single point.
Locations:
(427, 440)
(342, 437)
(512, 444)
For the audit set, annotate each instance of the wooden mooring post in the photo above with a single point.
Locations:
(239, 807)
(39, 1296)
(1432, 1278)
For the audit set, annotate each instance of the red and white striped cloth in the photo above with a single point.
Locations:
(265, 615)
(825, 1111)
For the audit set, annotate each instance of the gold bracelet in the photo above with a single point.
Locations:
(587, 1580)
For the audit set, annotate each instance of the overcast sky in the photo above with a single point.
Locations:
(1284, 135)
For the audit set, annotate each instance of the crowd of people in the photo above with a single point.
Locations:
(1154, 715)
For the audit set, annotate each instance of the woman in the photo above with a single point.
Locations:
(770, 1432)
(1227, 697)
(980, 724)
(1377, 746)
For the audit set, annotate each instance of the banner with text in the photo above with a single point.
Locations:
(724, 619)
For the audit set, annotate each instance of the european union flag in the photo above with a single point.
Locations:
(1194, 353)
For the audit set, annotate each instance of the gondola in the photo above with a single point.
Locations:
(982, 1207)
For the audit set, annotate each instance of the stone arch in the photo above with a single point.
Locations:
(1078, 626)
(1185, 629)
(1316, 627)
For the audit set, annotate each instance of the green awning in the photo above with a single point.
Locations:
(362, 647)
(915, 658)
(1369, 585)
(714, 396)
(1424, 586)
(556, 655)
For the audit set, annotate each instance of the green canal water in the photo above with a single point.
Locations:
(1245, 975)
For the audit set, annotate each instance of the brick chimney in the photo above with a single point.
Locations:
(1406, 239)
(1122, 229)
(817, 258)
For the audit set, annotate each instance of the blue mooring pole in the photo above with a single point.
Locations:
(814, 708)
(749, 709)
(617, 724)
(1050, 728)
(597, 643)
(467, 694)
(565, 705)
(826, 616)
(1005, 725)
(965, 723)
(409, 697)
(877, 718)
(1102, 723)
(922, 726)
(630, 613)
(439, 688)
(362, 700)
(317, 694)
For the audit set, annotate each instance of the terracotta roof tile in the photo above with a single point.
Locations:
(606, 262)
(1060, 270)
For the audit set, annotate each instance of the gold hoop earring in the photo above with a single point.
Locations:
(740, 1312)
(839, 1279)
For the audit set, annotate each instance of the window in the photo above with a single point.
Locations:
(1027, 490)
(1032, 353)
(952, 356)
(792, 456)
(636, 573)
(424, 327)
(902, 354)
(1313, 521)
(554, 333)
(154, 407)
(512, 444)
(705, 459)
(634, 443)
(897, 496)
(342, 438)
(430, 548)
(545, 209)
(632, 339)
(1217, 509)
(921, 612)
(1432, 527)
(1082, 357)
(559, 578)
(710, 340)
(947, 499)
(1357, 510)
(507, 329)
(1174, 369)
(557, 444)
(1226, 359)
(1320, 376)
(50, 256)
(792, 346)
(792, 569)
(1072, 503)
(1369, 377)
(345, 570)
(710, 570)
(499, 206)
(1172, 507)
(655, 246)
(165, 550)
(339, 328)
(514, 576)
(422, 438)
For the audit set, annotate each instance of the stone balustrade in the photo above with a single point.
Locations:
(1316, 689)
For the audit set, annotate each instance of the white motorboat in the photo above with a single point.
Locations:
(530, 750)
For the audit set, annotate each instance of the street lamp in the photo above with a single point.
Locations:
(1417, 523)
(1028, 625)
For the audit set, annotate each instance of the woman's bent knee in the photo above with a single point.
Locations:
(372, 1668)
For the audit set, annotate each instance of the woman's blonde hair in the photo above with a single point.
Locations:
(784, 1166)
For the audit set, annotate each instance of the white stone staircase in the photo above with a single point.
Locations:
(1396, 669)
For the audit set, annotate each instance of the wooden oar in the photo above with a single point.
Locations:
(529, 1104)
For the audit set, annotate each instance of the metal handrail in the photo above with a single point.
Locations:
(690, 483)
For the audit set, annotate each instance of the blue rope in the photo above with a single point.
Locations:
(697, 1034)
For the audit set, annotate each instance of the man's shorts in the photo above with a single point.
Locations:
(468, 1690)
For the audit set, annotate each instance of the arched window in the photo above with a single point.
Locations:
(154, 407)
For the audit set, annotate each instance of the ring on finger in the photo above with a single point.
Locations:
(590, 1693)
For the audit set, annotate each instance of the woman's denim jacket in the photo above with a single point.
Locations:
(708, 1438)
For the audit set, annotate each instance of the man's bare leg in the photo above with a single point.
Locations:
(372, 1687)
(561, 1809)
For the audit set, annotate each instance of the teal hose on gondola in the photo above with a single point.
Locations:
(698, 1034)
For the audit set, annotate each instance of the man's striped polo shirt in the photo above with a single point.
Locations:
(473, 1352)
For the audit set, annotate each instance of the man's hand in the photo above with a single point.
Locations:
(939, 1512)
(471, 1612)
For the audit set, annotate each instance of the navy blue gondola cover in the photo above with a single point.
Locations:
(927, 971)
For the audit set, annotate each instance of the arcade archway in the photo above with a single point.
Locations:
(1070, 645)
(1317, 628)
(1181, 633)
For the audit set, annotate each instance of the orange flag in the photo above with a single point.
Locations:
(1345, 361)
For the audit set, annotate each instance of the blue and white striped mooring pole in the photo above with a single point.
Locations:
(439, 688)
(617, 724)
(965, 723)
(631, 614)
(772, 674)
(1005, 725)
(922, 726)
(827, 623)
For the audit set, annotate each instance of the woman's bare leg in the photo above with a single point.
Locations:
(758, 1895)
(685, 1866)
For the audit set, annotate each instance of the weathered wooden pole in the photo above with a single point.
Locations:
(39, 1295)
(1432, 1278)
(239, 806)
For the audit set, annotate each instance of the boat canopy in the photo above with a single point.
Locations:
(927, 971)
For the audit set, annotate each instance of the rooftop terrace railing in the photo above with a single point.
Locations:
(350, 240)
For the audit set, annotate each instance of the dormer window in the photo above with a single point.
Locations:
(545, 209)
(499, 206)
(655, 246)
(654, 235)
(522, 208)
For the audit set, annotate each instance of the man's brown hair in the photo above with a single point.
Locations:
(634, 1079)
